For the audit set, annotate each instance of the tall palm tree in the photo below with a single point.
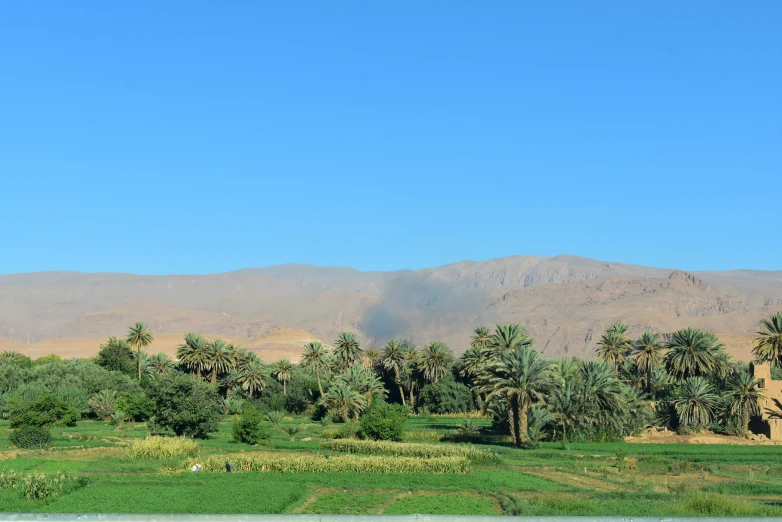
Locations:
(146, 368)
(161, 364)
(409, 377)
(347, 350)
(343, 400)
(195, 353)
(648, 356)
(252, 377)
(693, 353)
(481, 339)
(371, 358)
(745, 397)
(314, 358)
(695, 402)
(768, 344)
(393, 358)
(435, 361)
(469, 366)
(365, 382)
(614, 346)
(518, 378)
(222, 358)
(508, 337)
(139, 337)
(282, 371)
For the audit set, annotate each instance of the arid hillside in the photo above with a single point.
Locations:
(564, 301)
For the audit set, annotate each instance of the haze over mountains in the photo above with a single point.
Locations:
(565, 302)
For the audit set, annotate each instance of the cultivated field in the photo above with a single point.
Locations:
(578, 479)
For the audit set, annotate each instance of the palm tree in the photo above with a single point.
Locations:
(692, 353)
(343, 400)
(614, 346)
(222, 357)
(371, 358)
(518, 378)
(695, 402)
(434, 361)
(508, 337)
(745, 397)
(139, 337)
(195, 353)
(282, 371)
(252, 377)
(103, 403)
(365, 382)
(314, 358)
(393, 358)
(161, 364)
(145, 362)
(347, 350)
(481, 340)
(768, 346)
(648, 356)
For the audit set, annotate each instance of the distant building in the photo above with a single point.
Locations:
(770, 421)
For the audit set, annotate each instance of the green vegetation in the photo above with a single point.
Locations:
(500, 430)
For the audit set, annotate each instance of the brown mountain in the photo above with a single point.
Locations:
(564, 301)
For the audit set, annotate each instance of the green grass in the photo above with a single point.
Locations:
(584, 479)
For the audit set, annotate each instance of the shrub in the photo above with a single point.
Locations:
(118, 418)
(161, 448)
(232, 405)
(136, 406)
(186, 406)
(275, 417)
(29, 437)
(278, 463)
(447, 396)
(383, 421)
(39, 487)
(291, 430)
(116, 355)
(425, 451)
(46, 410)
(103, 403)
(250, 428)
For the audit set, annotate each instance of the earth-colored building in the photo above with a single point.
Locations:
(769, 423)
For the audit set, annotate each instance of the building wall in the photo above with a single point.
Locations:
(773, 397)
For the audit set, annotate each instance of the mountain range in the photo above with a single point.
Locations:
(565, 302)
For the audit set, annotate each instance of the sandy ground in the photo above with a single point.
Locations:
(661, 436)
(280, 344)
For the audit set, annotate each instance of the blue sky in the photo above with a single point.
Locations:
(198, 137)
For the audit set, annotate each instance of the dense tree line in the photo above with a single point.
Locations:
(686, 382)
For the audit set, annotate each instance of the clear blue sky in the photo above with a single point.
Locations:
(197, 137)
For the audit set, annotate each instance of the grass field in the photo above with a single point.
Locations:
(581, 479)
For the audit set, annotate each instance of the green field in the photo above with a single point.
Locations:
(581, 479)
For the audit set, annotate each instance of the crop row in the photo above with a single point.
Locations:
(403, 449)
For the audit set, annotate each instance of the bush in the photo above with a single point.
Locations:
(250, 428)
(46, 410)
(39, 487)
(447, 396)
(116, 355)
(30, 437)
(383, 421)
(136, 406)
(186, 406)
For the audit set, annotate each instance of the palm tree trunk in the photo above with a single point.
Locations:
(285, 388)
(401, 391)
(745, 420)
(344, 414)
(412, 399)
(214, 375)
(512, 423)
(138, 360)
(523, 422)
(317, 376)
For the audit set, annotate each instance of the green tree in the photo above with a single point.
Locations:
(186, 406)
(252, 377)
(383, 421)
(434, 361)
(314, 358)
(768, 345)
(161, 364)
(250, 428)
(342, 400)
(347, 350)
(745, 397)
(507, 337)
(481, 338)
(648, 356)
(695, 403)
(282, 371)
(103, 403)
(614, 346)
(393, 358)
(518, 378)
(139, 337)
(116, 356)
(694, 353)
(222, 358)
(195, 354)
